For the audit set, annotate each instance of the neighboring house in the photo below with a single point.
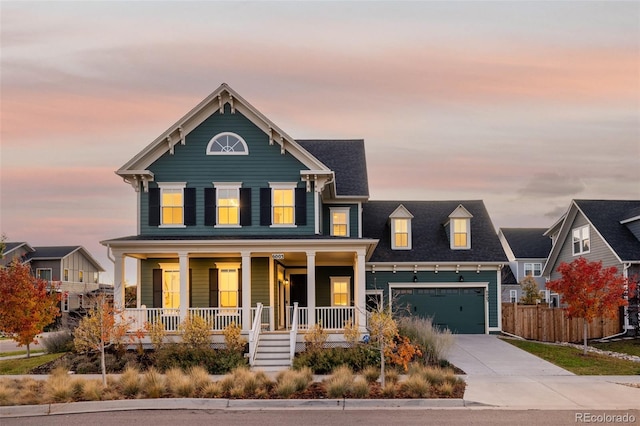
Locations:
(73, 267)
(527, 250)
(237, 219)
(599, 230)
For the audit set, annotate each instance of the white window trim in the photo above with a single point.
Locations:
(227, 185)
(65, 274)
(581, 252)
(219, 135)
(172, 186)
(284, 185)
(533, 269)
(452, 233)
(513, 296)
(96, 277)
(340, 279)
(171, 267)
(393, 234)
(81, 276)
(344, 210)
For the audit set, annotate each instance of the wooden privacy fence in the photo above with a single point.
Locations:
(539, 322)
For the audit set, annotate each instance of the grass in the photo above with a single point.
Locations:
(24, 352)
(572, 359)
(630, 347)
(24, 365)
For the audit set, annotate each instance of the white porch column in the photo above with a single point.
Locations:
(118, 281)
(246, 291)
(184, 284)
(311, 287)
(359, 290)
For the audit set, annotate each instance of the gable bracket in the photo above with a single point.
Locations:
(233, 108)
(169, 141)
(220, 105)
(183, 141)
(270, 136)
(282, 150)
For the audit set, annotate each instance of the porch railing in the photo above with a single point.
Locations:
(266, 315)
(329, 317)
(293, 334)
(217, 318)
(254, 333)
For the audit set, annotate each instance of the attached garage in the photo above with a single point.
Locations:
(461, 309)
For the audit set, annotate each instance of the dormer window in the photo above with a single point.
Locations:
(460, 229)
(227, 143)
(401, 228)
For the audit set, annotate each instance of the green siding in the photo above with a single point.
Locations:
(381, 279)
(353, 219)
(260, 281)
(323, 282)
(190, 164)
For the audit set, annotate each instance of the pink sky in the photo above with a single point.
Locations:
(525, 105)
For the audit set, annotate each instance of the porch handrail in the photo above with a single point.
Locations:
(294, 331)
(254, 333)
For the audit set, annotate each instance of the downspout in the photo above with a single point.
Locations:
(625, 326)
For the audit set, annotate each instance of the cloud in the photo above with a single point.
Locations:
(545, 185)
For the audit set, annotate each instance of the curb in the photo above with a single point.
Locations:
(225, 404)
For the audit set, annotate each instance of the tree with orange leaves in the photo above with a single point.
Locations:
(591, 291)
(27, 304)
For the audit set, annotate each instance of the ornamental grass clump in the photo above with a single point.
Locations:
(59, 387)
(129, 382)
(153, 384)
(200, 378)
(338, 385)
(416, 387)
(360, 387)
(435, 343)
(289, 382)
(371, 373)
(178, 384)
(211, 390)
(93, 390)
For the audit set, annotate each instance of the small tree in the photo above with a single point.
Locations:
(27, 304)
(383, 330)
(530, 292)
(103, 327)
(590, 291)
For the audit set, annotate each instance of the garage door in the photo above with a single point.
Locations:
(461, 310)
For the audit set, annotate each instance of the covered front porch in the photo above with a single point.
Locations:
(266, 285)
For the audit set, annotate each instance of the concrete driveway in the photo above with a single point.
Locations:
(486, 355)
(502, 376)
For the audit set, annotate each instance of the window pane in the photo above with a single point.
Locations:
(460, 240)
(283, 206)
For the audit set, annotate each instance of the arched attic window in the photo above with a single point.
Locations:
(227, 143)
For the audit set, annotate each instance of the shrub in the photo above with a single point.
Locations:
(157, 333)
(184, 357)
(233, 339)
(58, 342)
(402, 352)
(351, 333)
(196, 332)
(324, 361)
(315, 338)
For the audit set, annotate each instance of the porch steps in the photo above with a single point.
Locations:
(272, 353)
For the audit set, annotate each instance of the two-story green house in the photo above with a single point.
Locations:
(239, 222)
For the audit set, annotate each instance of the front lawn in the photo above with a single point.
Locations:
(25, 365)
(573, 360)
(630, 347)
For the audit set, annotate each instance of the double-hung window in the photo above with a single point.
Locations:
(339, 221)
(533, 269)
(401, 233)
(460, 233)
(340, 289)
(283, 204)
(228, 284)
(170, 285)
(581, 240)
(227, 204)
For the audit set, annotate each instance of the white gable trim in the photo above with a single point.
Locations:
(401, 213)
(215, 102)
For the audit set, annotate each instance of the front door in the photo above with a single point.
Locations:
(298, 289)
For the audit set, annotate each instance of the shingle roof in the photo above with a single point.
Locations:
(605, 215)
(10, 246)
(528, 243)
(429, 238)
(507, 277)
(347, 159)
(52, 252)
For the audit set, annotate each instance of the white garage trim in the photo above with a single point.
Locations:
(484, 285)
